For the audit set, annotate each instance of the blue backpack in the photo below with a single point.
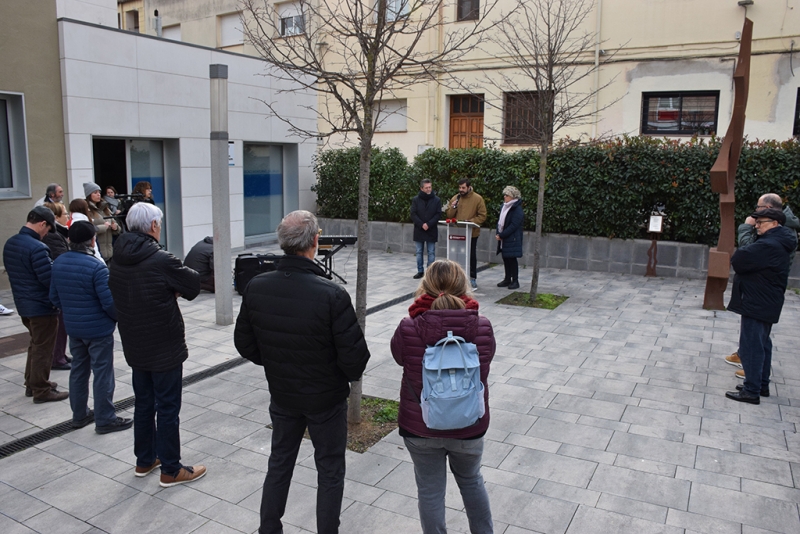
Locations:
(452, 391)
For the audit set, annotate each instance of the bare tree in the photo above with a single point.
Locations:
(549, 50)
(353, 54)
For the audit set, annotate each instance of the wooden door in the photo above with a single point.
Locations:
(466, 121)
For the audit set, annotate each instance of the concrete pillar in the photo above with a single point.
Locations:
(220, 194)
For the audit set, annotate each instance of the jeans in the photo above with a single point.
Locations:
(92, 356)
(755, 352)
(512, 269)
(43, 331)
(328, 431)
(428, 455)
(156, 419)
(431, 254)
(473, 258)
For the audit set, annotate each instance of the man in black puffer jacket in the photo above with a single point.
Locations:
(302, 329)
(762, 271)
(146, 282)
(426, 208)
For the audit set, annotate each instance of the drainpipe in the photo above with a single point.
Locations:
(597, 43)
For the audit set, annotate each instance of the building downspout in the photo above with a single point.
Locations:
(597, 43)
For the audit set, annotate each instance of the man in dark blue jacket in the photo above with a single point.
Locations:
(79, 288)
(27, 261)
(426, 208)
(762, 271)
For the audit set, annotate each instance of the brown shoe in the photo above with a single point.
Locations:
(186, 474)
(144, 471)
(734, 360)
(29, 391)
(52, 396)
(740, 374)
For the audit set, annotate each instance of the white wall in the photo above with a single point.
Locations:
(103, 12)
(120, 84)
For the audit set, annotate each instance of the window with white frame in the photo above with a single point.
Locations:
(396, 9)
(14, 174)
(392, 115)
(291, 19)
(467, 10)
(230, 30)
(172, 32)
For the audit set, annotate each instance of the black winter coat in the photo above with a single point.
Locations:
(426, 208)
(144, 281)
(302, 328)
(56, 242)
(762, 272)
(511, 244)
(201, 257)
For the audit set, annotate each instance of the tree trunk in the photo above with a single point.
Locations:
(354, 404)
(537, 240)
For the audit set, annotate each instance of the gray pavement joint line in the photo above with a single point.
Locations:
(65, 427)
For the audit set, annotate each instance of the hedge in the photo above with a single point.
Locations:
(600, 189)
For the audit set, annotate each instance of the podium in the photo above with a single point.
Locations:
(459, 242)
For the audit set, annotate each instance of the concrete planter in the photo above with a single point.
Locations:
(559, 251)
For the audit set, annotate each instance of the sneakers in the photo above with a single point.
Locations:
(474, 283)
(514, 284)
(144, 471)
(185, 475)
(740, 374)
(5, 311)
(418, 276)
(52, 396)
(80, 423)
(29, 391)
(117, 426)
(734, 360)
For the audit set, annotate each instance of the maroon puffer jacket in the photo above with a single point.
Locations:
(409, 342)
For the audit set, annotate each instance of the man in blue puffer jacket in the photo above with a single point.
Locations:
(27, 261)
(79, 288)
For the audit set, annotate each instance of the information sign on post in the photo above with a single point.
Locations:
(655, 228)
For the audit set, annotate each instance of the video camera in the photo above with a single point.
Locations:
(124, 206)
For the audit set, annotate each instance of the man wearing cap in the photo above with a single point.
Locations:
(79, 288)
(747, 235)
(759, 285)
(27, 261)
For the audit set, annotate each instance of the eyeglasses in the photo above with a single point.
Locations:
(759, 223)
(763, 207)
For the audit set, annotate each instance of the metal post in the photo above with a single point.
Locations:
(220, 194)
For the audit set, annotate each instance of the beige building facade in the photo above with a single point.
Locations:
(665, 69)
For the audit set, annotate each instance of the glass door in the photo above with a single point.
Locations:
(263, 188)
(147, 165)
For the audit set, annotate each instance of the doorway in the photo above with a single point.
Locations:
(466, 121)
(263, 188)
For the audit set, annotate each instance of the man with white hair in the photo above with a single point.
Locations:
(146, 282)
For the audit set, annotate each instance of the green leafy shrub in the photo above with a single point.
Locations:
(605, 189)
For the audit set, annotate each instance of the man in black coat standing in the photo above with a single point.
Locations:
(426, 208)
(146, 283)
(302, 329)
(759, 285)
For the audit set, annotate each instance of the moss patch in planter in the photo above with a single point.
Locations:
(378, 418)
(547, 301)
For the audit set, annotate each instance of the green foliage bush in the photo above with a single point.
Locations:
(600, 189)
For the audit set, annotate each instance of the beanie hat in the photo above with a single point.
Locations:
(81, 231)
(89, 188)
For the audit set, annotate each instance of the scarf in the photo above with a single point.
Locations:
(423, 303)
(501, 222)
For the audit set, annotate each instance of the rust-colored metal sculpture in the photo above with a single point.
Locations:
(723, 179)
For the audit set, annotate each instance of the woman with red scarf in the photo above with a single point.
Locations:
(443, 304)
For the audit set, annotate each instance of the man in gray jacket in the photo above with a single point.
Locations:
(748, 235)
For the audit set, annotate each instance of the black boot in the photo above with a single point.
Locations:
(504, 283)
(514, 284)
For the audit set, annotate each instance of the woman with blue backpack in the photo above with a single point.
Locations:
(445, 348)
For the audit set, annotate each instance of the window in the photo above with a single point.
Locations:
(14, 175)
(521, 121)
(396, 9)
(467, 10)
(291, 19)
(392, 116)
(796, 131)
(132, 20)
(680, 113)
(230, 31)
(172, 32)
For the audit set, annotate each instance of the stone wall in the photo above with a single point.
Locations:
(559, 251)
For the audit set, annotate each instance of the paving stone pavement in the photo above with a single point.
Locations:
(608, 416)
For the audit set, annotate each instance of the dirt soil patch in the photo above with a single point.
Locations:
(547, 301)
(378, 418)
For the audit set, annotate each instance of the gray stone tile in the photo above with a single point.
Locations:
(743, 433)
(753, 510)
(648, 466)
(144, 514)
(522, 509)
(553, 467)
(16, 470)
(701, 523)
(646, 487)
(633, 508)
(708, 478)
(54, 520)
(9, 526)
(359, 517)
(653, 449)
(590, 520)
(229, 481)
(97, 493)
(774, 491)
(662, 419)
(370, 468)
(188, 498)
(594, 408)
(583, 436)
(222, 427)
(233, 516)
(583, 453)
(744, 465)
(212, 527)
(549, 488)
(18, 505)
